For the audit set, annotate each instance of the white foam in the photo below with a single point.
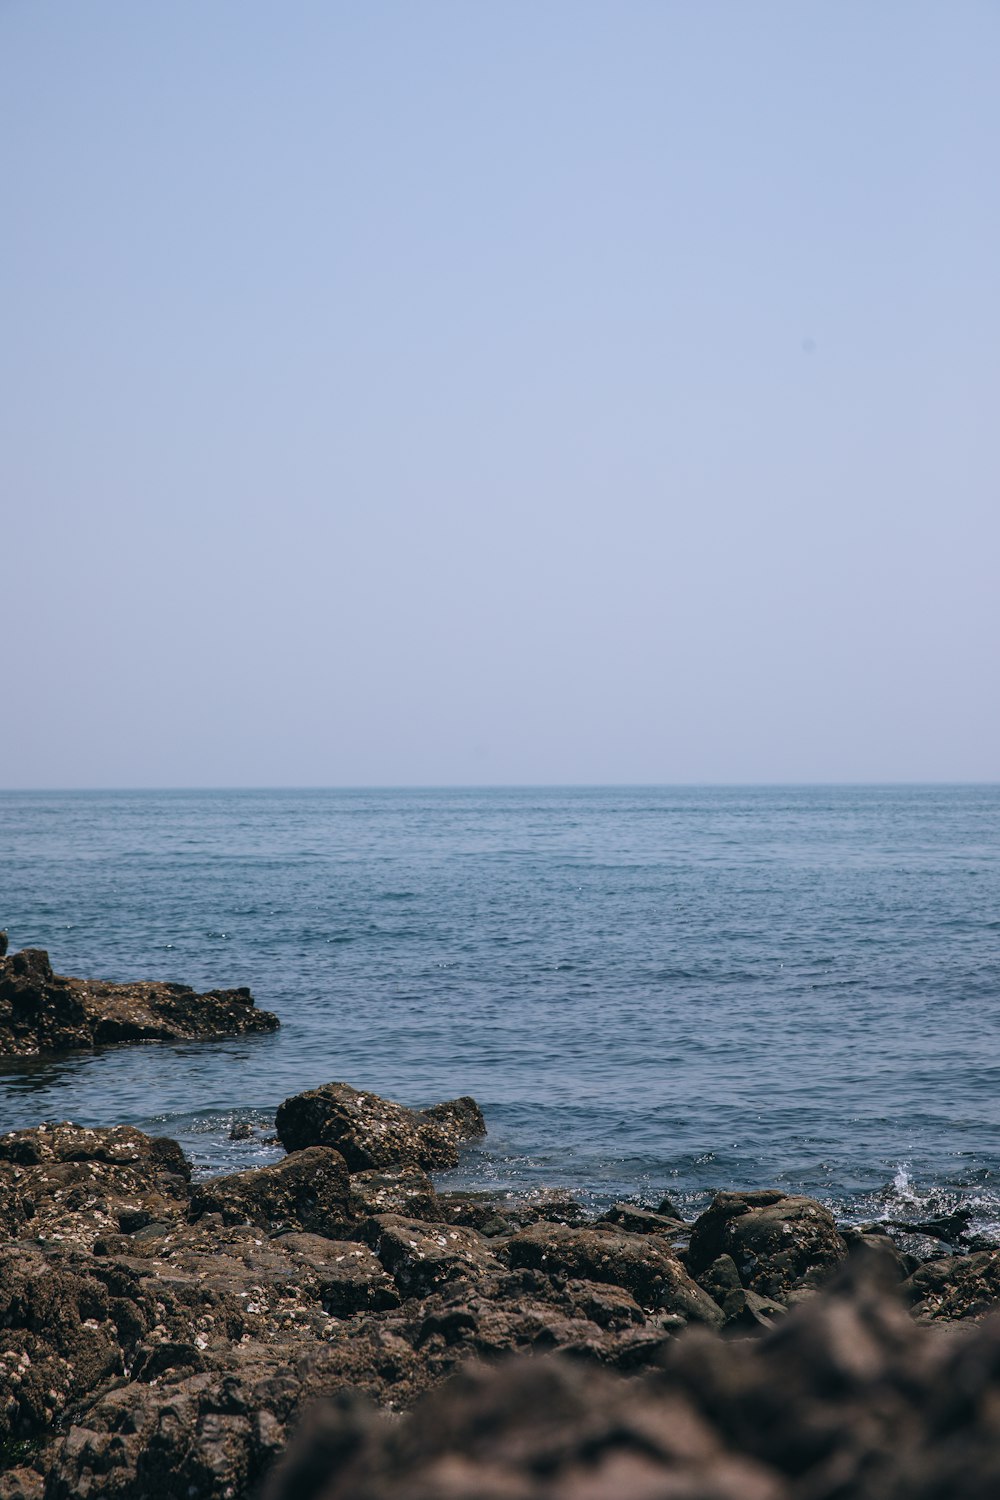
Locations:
(903, 1183)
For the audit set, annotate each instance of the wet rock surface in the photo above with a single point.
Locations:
(309, 1190)
(165, 1338)
(43, 1012)
(373, 1133)
(779, 1243)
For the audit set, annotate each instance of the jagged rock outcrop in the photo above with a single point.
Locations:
(43, 1012)
(309, 1190)
(644, 1265)
(779, 1243)
(163, 1338)
(847, 1400)
(375, 1133)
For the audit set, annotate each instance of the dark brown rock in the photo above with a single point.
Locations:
(461, 1119)
(194, 1434)
(643, 1221)
(59, 1341)
(373, 1133)
(642, 1264)
(395, 1190)
(45, 1012)
(159, 1340)
(350, 1278)
(70, 1184)
(955, 1287)
(501, 1214)
(420, 1257)
(721, 1278)
(531, 1430)
(309, 1190)
(22, 1484)
(846, 1399)
(778, 1243)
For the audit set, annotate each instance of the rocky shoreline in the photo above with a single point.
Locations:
(168, 1337)
(43, 1012)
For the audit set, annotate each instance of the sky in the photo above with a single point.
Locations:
(544, 391)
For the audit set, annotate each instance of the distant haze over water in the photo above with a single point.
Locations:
(647, 989)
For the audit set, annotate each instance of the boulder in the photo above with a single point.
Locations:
(499, 1214)
(955, 1287)
(309, 1190)
(42, 1012)
(778, 1243)
(71, 1184)
(193, 1434)
(644, 1221)
(61, 1338)
(645, 1266)
(372, 1133)
(540, 1429)
(421, 1257)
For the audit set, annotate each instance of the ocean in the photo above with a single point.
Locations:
(648, 989)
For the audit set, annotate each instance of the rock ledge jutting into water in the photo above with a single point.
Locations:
(42, 1012)
(160, 1337)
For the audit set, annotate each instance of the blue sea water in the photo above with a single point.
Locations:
(647, 989)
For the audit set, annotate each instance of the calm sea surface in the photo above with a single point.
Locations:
(647, 990)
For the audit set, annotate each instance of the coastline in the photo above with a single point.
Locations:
(197, 1321)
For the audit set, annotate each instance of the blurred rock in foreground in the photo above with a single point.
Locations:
(848, 1399)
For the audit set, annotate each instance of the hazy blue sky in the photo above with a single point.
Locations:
(460, 392)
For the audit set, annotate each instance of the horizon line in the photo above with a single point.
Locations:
(489, 786)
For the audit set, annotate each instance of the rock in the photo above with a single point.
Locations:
(421, 1257)
(778, 1243)
(22, 1484)
(3, 944)
(642, 1221)
(952, 1228)
(118, 1145)
(846, 1399)
(721, 1278)
(747, 1310)
(489, 1215)
(461, 1119)
(349, 1276)
(70, 1184)
(309, 1190)
(639, 1263)
(45, 1012)
(499, 1214)
(196, 1434)
(897, 1264)
(159, 1339)
(375, 1133)
(60, 1339)
(395, 1190)
(955, 1286)
(530, 1430)
(609, 1306)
